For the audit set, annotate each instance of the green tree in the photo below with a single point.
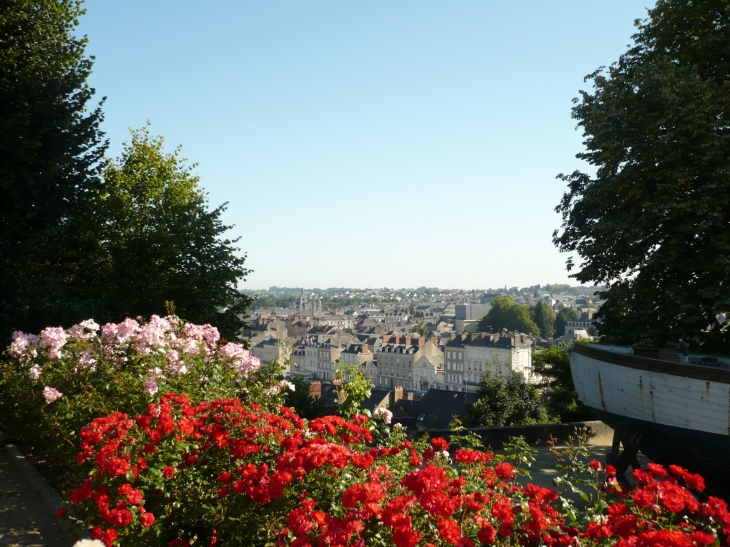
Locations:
(564, 315)
(505, 400)
(544, 317)
(50, 152)
(421, 329)
(552, 365)
(303, 404)
(161, 242)
(506, 313)
(652, 223)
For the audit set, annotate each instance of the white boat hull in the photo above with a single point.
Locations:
(680, 411)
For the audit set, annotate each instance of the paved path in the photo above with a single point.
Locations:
(25, 520)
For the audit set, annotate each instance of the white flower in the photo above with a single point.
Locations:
(51, 394)
(35, 372)
(88, 543)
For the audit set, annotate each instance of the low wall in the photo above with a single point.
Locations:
(599, 433)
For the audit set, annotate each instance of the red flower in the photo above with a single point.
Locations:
(147, 520)
(449, 530)
(618, 509)
(677, 471)
(657, 470)
(439, 444)
(84, 492)
(61, 512)
(702, 538)
(610, 470)
(696, 482)
(504, 470)
(225, 477)
(595, 464)
(487, 534)
(299, 522)
(643, 498)
(404, 537)
(168, 472)
(117, 467)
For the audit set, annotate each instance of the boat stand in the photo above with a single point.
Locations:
(631, 442)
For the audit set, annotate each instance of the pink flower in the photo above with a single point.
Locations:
(87, 360)
(385, 413)
(35, 372)
(22, 346)
(86, 330)
(53, 338)
(151, 387)
(51, 394)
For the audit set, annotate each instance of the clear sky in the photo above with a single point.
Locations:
(367, 143)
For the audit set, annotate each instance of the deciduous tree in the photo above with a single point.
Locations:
(564, 315)
(506, 400)
(552, 365)
(506, 313)
(652, 222)
(161, 242)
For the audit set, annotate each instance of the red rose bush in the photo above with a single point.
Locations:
(222, 472)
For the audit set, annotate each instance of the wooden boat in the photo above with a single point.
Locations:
(673, 412)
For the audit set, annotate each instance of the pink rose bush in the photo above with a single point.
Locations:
(57, 381)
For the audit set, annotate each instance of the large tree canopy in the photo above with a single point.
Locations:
(50, 147)
(159, 242)
(508, 314)
(653, 223)
(506, 400)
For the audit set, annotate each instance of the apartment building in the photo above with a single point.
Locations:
(396, 358)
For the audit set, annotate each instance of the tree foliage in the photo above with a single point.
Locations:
(505, 400)
(552, 365)
(561, 320)
(421, 329)
(50, 151)
(652, 223)
(160, 242)
(544, 317)
(506, 313)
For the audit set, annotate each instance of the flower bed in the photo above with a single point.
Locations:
(55, 383)
(217, 459)
(224, 472)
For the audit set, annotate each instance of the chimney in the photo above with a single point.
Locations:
(435, 341)
(398, 393)
(315, 389)
(421, 342)
(407, 340)
(409, 396)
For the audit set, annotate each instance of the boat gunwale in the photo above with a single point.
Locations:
(684, 370)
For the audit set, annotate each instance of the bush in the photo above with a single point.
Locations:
(53, 384)
(222, 471)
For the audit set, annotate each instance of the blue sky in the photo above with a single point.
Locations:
(370, 143)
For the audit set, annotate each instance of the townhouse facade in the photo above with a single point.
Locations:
(396, 358)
